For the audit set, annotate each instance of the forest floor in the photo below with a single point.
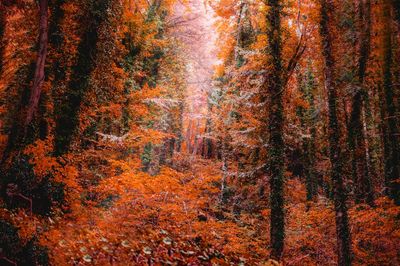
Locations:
(175, 218)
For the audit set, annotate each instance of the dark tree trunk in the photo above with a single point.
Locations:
(67, 120)
(276, 119)
(179, 138)
(196, 138)
(40, 63)
(396, 8)
(56, 41)
(207, 141)
(3, 21)
(307, 116)
(357, 134)
(342, 223)
(392, 160)
(225, 168)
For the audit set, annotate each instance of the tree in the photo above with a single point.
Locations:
(308, 123)
(67, 120)
(26, 108)
(341, 216)
(396, 8)
(357, 135)
(274, 89)
(39, 75)
(3, 20)
(391, 145)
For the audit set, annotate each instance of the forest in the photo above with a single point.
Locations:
(200, 132)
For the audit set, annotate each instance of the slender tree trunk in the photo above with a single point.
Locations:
(58, 67)
(180, 128)
(396, 44)
(154, 166)
(39, 75)
(276, 119)
(3, 22)
(357, 134)
(307, 86)
(238, 57)
(207, 141)
(189, 137)
(196, 138)
(392, 158)
(225, 167)
(396, 8)
(342, 223)
(372, 141)
(368, 184)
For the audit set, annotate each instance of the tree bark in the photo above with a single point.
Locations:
(39, 75)
(225, 168)
(276, 119)
(3, 21)
(67, 113)
(396, 8)
(392, 150)
(341, 216)
(189, 137)
(357, 134)
(179, 138)
(196, 138)
(307, 87)
(18, 135)
(207, 149)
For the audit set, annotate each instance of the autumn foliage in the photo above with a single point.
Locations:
(195, 132)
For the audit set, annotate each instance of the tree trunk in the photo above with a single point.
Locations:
(225, 167)
(189, 137)
(196, 138)
(341, 216)
(396, 8)
(39, 75)
(207, 151)
(18, 135)
(179, 138)
(3, 21)
(392, 160)
(357, 134)
(154, 166)
(307, 87)
(67, 120)
(276, 143)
